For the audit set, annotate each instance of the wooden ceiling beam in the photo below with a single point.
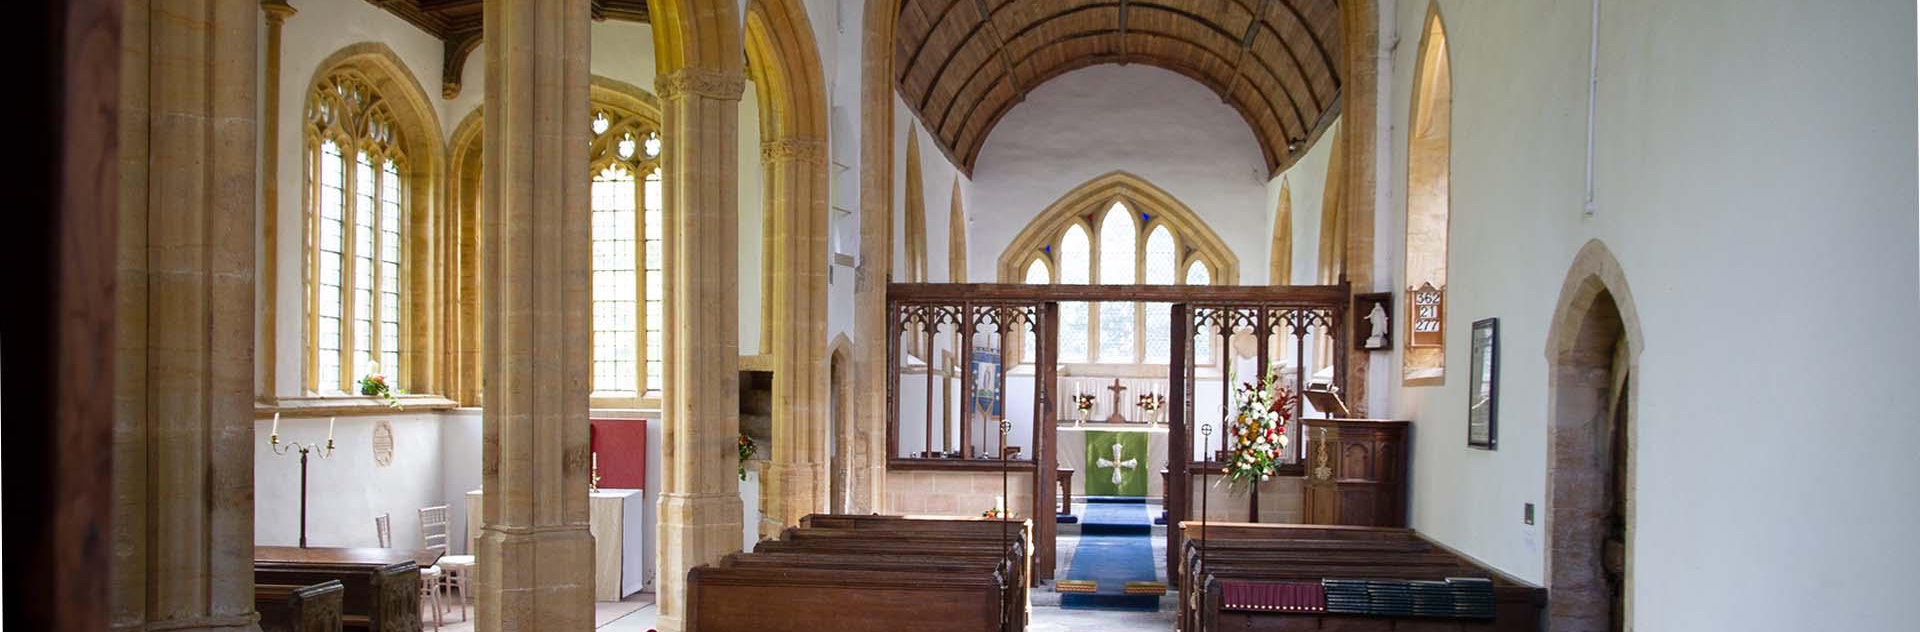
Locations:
(1326, 57)
(1000, 48)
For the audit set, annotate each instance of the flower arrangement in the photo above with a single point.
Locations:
(990, 513)
(375, 385)
(1259, 431)
(747, 450)
(1082, 404)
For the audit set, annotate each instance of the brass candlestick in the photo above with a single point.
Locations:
(273, 443)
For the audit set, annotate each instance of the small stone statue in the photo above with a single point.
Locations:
(1377, 322)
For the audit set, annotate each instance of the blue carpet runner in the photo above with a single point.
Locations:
(1115, 548)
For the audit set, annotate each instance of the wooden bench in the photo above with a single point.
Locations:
(860, 573)
(1306, 554)
(315, 608)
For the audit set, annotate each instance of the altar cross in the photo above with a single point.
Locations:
(1116, 463)
(1116, 417)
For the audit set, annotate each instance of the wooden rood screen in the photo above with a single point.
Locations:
(950, 347)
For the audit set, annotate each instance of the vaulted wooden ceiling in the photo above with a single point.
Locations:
(963, 64)
(457, 24)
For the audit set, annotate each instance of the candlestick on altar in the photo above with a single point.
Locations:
(273, 443)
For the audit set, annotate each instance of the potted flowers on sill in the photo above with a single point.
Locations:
(375, 385)
(747, 449)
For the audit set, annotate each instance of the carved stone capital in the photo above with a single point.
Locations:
(277, 11)
(703, 82)
(793, 150)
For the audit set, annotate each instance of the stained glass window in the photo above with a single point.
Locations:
(1037, 274)
(1197, 274)
(1160, 264)
(1076, 260)
(1117, 267)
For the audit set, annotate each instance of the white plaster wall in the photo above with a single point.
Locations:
(345, 492)
(1307, 178)
(842, 64)
(1152, 123)
(1755, 174)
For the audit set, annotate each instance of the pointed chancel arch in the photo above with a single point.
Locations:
(1429, 157)
(783, 60)
(373, 163)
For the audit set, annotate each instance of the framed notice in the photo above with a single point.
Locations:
(1426, 316)
(1483, 384)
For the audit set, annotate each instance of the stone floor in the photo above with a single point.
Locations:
(636, 614)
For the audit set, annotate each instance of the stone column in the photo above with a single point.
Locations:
(867, 487)
(699, 507)
(796, 483)
(277, 12)
(183, 391)
(1359, 102)
(536, 553)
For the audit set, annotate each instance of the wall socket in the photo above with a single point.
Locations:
(1528, 514)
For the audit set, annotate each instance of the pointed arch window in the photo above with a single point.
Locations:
(1429, 157)
(627, 259)
(1076, 266)
(356, 174)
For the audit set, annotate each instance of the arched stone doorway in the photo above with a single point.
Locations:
(840, 416)
(1592, 354)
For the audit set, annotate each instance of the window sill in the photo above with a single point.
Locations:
(350, 405)
(956, 465)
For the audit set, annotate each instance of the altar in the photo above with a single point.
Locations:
(1072, 443)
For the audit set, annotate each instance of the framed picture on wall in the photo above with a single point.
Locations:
(1483, 384)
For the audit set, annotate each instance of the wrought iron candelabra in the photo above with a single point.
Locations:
(273, 443)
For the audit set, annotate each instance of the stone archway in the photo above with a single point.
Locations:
(784, 62)
(1593, 351)
(840, 415)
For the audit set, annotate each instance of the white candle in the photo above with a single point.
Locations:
(276, 424)
(1000, 506)
(330, 421)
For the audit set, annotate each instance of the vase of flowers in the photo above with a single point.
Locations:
(375, 385)
(1082, 405)
(747, 450)
(1258, 431)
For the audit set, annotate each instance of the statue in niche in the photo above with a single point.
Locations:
(1377, 324)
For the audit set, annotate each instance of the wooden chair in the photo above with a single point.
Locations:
(430, 577)
(456, 570)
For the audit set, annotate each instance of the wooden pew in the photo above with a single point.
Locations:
(315, 608)
(380, 587)
(856, 573)
(1307, 554)
(801, 599)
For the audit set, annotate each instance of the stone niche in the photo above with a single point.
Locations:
(756, 409)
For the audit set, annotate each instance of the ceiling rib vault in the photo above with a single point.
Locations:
(961, 65)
